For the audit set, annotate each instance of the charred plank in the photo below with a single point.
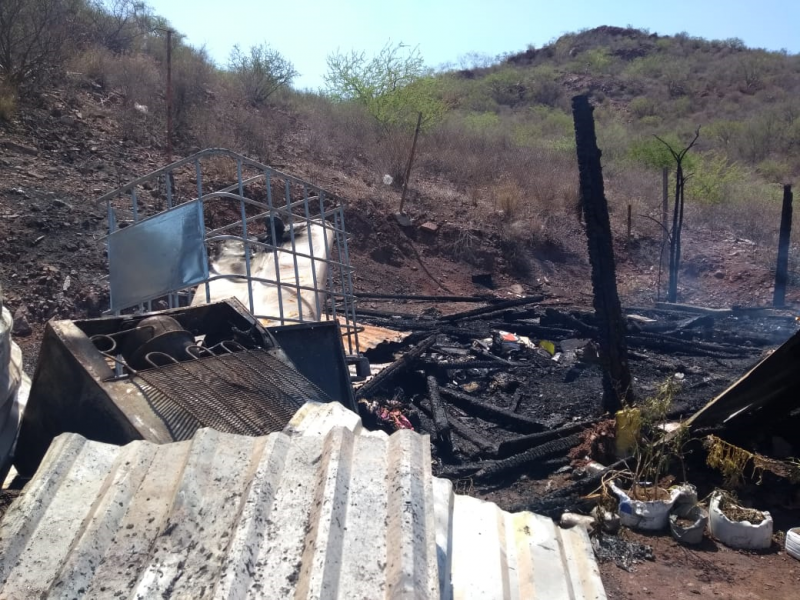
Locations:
(488, 412)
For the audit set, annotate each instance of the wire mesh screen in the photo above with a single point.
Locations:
(248, 392)
(273, 241)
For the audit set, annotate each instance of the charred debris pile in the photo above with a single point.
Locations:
(514, 387)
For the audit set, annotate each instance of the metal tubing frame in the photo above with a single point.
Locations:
(337, 286)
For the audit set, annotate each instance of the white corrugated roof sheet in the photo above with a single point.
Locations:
(324, 511)
(15, 385)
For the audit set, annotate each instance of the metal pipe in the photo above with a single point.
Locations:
(135, 204)
(268, 181)
(208, 152)
(329, 287)
(349, 278)
(410, 163)
(338, 243)
(245, 240)
(294, 251)
(199, 177)
(169, 94)
(168, 188)
(311, 251)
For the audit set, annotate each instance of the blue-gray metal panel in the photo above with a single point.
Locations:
(160, 255)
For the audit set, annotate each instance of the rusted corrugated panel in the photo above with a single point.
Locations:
(372, 336)
(328, 510)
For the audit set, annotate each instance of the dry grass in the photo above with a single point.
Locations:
(8, 102)
(508, 199)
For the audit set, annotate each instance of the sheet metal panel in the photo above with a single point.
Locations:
(497, 554)
(324, 510)
(15, 386)
(226, 516)
(157, 256)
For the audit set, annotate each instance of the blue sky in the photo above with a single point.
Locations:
(306, 31)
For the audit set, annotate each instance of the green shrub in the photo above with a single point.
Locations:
(597, 60)
(652, 153)
(774, 170)
(724, 131)
(394, 85)
(481, 122)
(642, 106)
(650, 122)
(713, 178)
(507, 87)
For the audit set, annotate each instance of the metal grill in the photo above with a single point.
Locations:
(164, 226)
(249, 392)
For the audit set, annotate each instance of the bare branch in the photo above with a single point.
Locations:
(689, 147)
(659, 223)
(671, 151)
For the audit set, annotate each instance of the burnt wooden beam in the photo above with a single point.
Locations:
(529, 458)
(382, 379)
(488, 412)
(526, 442)
(440, 421)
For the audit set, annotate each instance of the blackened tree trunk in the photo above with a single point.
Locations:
(675, 240)
(677, 217)
(782, 270)
(611, 327)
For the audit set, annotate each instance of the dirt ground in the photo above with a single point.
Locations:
(709, 571)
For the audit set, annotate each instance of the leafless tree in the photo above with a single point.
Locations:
(33, 37)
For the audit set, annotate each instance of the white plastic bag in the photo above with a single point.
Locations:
(651, 515)
(793, 542)
(739, 534)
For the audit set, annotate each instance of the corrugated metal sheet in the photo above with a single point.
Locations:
(15, 386)
(325, 511)
(497, 554)
(372, 336)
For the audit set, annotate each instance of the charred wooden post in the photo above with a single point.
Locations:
(630, 223)
(616, 374)
(664, 206)
(440, 421)
(526, 442)
(782, 270)
(675, 239)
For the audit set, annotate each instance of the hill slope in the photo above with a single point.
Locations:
(496, 175)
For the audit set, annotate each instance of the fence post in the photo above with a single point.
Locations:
(611, 327)
(410, 163)
(782, 269)
(665, 203)
(630, 220)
